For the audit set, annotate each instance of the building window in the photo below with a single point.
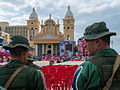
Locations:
(72, 28)
(49, 46)
(31, 34)
(6, 29)
(0, 34)
(68, 28)
(50, 27)
(0, 28)
(31, 22)
(68, 37)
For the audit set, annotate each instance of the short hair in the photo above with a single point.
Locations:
(106, 39)
(17, 51)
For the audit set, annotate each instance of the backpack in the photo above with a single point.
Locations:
(115, 67)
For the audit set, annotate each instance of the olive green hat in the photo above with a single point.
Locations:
(96, 30)
(18, 41)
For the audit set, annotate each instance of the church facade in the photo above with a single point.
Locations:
(48, 39)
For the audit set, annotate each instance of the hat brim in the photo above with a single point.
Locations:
(8, 47)
(30, 59)
(95, 36)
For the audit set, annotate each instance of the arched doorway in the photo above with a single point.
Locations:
(49, 52)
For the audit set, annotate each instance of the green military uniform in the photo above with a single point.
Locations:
(28, 79)
(91, 77)
(94, 73)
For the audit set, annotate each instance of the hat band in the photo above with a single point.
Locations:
(18, 44)
(96, 32)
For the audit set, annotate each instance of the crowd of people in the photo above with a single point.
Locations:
(93, 74)
(4, 59)
(51, 59)
(59, 59)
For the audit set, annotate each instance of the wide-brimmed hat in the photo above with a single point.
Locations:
(18, 41)
(96, 30)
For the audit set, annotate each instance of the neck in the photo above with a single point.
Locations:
(18, 58)
(103, 47)
(107, 47)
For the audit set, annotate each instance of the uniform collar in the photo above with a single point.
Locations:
(16, 62)
(107, 50)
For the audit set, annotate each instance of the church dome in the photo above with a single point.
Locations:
(49, 21)
(69, 14)
(33, 15)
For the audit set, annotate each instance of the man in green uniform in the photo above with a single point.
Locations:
(28, 78)
(94, 73)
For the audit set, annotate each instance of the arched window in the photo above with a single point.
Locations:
(72, 28)
(68, 28)
(68, 37)
(49, 46)
(31, 34)
(50, 27)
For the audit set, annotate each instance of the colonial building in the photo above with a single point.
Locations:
(14, 30)
(47, 40)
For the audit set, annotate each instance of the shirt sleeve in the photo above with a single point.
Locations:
(86, 77)
(38, 81)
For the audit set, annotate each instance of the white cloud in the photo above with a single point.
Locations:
(20, 20)
(43, 17)
(96, 5)
(2, 19)
(26, 3)
(7, 13)
(59, 3)
(37, 3)
(115, 3)
(7, 4)
(88, 8)
(80, 22)
(10, 5)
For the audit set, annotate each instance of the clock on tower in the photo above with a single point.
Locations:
(68, 21)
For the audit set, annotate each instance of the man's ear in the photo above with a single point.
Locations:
(25, 53)
(98, 42)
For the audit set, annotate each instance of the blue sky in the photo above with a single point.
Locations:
(85, 12)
